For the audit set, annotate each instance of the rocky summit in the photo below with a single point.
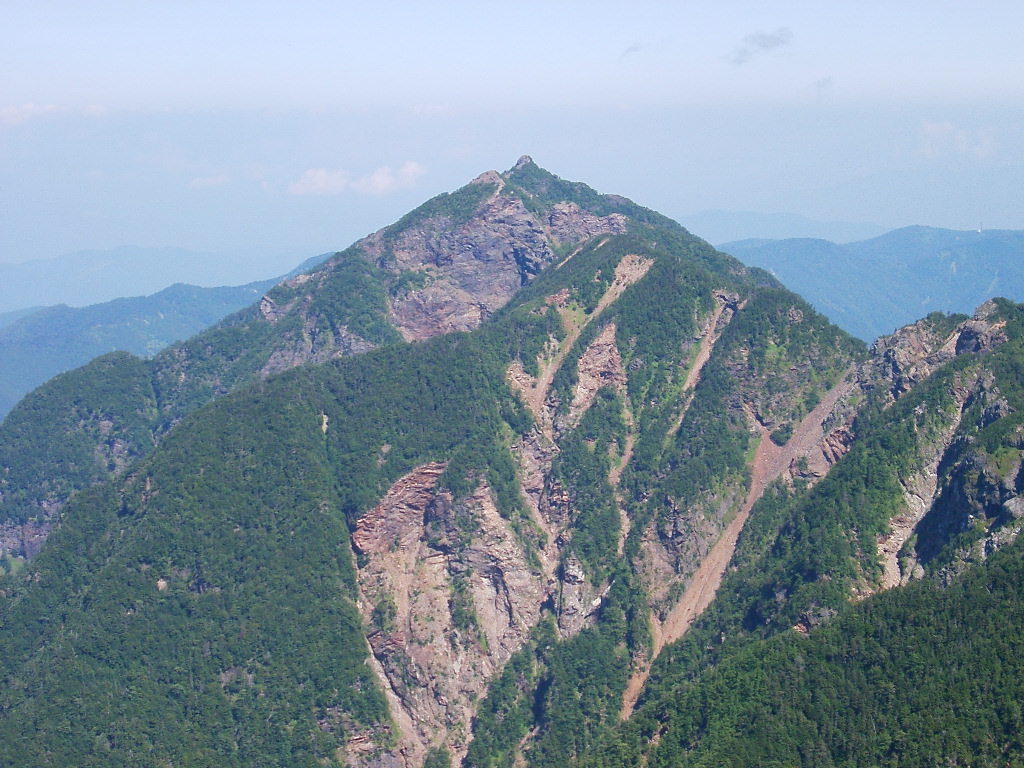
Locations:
(532, 477)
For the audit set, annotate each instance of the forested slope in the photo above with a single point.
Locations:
(482, 547)
(57, 339)
(212, 562)
(446, 266)
(799, 661)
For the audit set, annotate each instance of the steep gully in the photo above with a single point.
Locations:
(535, 391)
(394, 539)
(770, 461)
(432, 668)
(707, 343)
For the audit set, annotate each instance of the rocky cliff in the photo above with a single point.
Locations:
(449, 594)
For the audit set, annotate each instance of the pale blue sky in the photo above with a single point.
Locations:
(301, 126)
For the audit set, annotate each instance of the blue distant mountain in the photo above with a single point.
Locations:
(38, 343)
(91, 277)
(874, 286)
(52, 340)
(728, 226)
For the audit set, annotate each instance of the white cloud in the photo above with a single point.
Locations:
(320, 181)
(207, 182)
(944, 139)
(18, 114)
(384, 180)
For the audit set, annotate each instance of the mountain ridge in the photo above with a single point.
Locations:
(874, 286)
(52, 340)
(90, 277)
(719, 226)
(354, 301)
(462, 548)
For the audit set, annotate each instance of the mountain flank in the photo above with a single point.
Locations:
(51, 340)
(446, 266)
(529, 460)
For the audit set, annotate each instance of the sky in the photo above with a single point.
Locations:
(298, 127)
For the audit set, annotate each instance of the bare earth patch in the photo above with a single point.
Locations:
(535, 391)
(770, 462)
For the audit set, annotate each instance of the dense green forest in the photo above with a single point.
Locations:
(919, 676)
(202, 603)
(338, 307)
(233, 586)
(786, 668)
(229, 571)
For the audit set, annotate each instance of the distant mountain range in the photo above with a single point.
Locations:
(6, 318)
(726, 226)
(872, 287)
(38, 343)
(56, 339)
(90, 277)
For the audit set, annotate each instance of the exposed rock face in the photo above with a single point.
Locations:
(547, 501)
(466, 272)
(577, 600)
(317, 340)
(447, 586)
(676, 544)
(600, 366)
(674, 548)
(270, 310)
(397, 521)
(570, 224)
(450, 595)
(907, 357)
(968, 492)
(315, 345)
(819, 460)
(919, 490)
(981, 333)
(897, 363)
(566, 582)
(536, 392)
(914, 352)
(24, 539)
(474, 269)
(977, 495)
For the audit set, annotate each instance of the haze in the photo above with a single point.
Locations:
(300, 127)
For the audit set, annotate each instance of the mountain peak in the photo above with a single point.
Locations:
(488, 177)
(522, 162)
